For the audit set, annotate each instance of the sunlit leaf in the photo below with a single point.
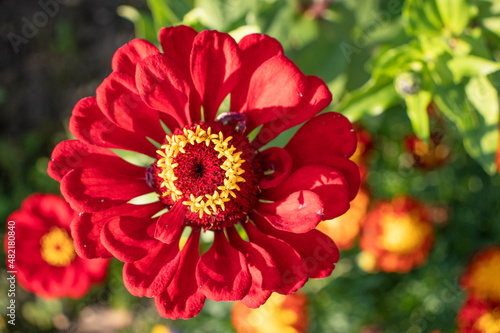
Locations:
(143, 23)
(167, 12)
(480, 138)
(492, 24)
(371, 99)
(422, 17)
(471, 66)
(455, 14)
(416, 108)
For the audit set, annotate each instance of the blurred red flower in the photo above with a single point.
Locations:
(397, 235)
(478, 316)
(279, 314)
(206, 172)
(45, 258)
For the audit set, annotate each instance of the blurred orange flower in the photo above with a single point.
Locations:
(396, 236)
(362, 154)
(286, 314)
(346, 228)
(482, 275)
(427, 155)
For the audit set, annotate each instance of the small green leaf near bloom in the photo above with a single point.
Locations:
(371, 99)
(143, 23)
(422, 18)
(480, 139)
(471, 66)
(396, 60)
(455, 14)
(484, 97)
(416, 105)
(167, 12)
(492, 24)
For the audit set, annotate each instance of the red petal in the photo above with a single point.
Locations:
(316, 98)
(88, 124)
(316, 249)
(182, 299)
(348, 168)
(275, 87)
(163, 86)
(170, 224)
(222, 271)
(119, 100)
(92, 189)
(265, 275)
(73, 154)
(300, 212)
(254, 49)
(328, 133)
(50, 209)
(126, 57)
(129, 238)
(97, 269)
(288, 261)
(215, 64)
(278, 160)
(86, 227)
(150, 276)
(177, 43)
(328, 183)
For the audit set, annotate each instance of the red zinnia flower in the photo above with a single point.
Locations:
(45, 258)
(397, 235)
(279, 314)
(478, 316)
(206, 172)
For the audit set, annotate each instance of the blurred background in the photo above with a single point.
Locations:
(418, 78)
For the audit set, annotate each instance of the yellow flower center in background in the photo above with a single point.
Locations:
(403, 234)
(272, 317)
(57, 247)
(209, 202)
(489, 322)
(485, 277)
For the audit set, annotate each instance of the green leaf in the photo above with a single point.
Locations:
(421, 17)
(471, 66)
(371, 99)
(492, 24)
(416, 105)
(484, 97)
(480, 138)
(167, 12)
(455, 14)
(223, 15)
(396, 60)
(143, 23)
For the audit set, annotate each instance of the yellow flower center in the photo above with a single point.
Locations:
(484, 277)
(403, 234)
(273, 317)
(209, 202)
(489, 322)
(57, 247)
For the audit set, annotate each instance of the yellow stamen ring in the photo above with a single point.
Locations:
(57, 247)
(207, 203)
